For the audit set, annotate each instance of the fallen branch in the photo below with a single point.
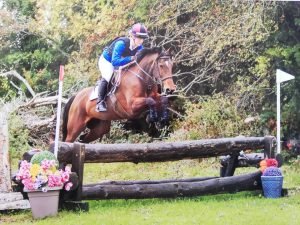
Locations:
(18, 76)
(35, 102)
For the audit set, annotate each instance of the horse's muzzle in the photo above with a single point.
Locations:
(168, 91)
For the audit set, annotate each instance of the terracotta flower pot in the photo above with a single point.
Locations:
(44, 204)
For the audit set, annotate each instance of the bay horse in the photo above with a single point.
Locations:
(138, 89)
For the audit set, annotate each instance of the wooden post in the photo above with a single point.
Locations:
(77, 167)
(269, 148)
(231, 164)
(5, 181)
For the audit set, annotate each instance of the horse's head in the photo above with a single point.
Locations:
(165, 75)
(158, 64)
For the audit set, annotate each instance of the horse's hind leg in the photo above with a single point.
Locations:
(97, 132)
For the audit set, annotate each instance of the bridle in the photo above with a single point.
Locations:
(164, 57)
(155, 80)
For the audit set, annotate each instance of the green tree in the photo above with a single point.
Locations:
(283, 52)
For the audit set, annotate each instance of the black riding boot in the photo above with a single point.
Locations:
(101, 105)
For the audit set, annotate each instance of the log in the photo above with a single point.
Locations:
(151, 181)
(12, 200)
(17, 205)
(175, 189)
(160, 152)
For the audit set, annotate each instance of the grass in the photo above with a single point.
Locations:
(240, 208)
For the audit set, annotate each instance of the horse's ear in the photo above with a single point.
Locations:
(170, 51)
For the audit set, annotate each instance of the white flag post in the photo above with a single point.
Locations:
(60, 86)
(280, 77)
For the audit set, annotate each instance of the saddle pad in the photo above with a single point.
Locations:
(94, 93)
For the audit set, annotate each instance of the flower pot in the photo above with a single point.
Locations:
(44, 204)
(272, 186)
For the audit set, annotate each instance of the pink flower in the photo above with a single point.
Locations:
(64, 176)
(25, 165)
(49, 176)
(48, 164)
(67, 169)
(28, 184)
(68, 186)
(54, 181)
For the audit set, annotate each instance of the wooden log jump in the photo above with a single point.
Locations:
(78, 154)
(160, 152)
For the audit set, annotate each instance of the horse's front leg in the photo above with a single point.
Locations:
(164, 108)
(140, 103)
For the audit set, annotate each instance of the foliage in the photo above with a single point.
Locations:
(120, 135)
(5, 90)
(281, 51)
(29, 53)
(89, 26)
(296, 164)
(18, 137)
(40, 156)
(212, 117)
(215, 42)
(43, 175)
(227, 47)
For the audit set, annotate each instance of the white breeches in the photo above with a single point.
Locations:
(106, 68)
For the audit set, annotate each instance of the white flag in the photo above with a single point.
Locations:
(283, 76)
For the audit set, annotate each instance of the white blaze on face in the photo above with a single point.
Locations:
(167, 63)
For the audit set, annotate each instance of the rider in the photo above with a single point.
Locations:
(119, 53)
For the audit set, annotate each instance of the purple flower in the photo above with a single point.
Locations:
(272, 171)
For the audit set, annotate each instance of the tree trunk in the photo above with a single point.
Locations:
(5, 181)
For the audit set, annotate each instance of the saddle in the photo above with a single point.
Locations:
(112, 86)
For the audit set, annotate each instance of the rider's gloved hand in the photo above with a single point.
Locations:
(133, 58)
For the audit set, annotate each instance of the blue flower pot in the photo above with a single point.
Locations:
(272, 186)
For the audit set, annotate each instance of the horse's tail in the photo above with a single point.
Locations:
(65, 117)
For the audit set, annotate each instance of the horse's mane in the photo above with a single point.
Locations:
(145, 51)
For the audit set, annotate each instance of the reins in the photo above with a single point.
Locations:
(157, 80)
(145, 72)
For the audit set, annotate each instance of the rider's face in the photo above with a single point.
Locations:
(138, 41)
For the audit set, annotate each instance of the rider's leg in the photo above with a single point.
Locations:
(102, 88)
(106, 70)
